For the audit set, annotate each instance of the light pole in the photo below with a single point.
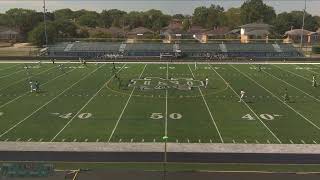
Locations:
(165, 138)
(302, 28)
(45, 23)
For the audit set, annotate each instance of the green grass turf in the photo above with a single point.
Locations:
(87, 104)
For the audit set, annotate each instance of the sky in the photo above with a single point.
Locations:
(167, 6)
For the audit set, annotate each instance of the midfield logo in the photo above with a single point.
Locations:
(157, 83)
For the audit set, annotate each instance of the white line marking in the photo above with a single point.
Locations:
(233, 141)
(29, 139)
(291, 141)
(188, 140)
(307, 69)
(97, 140)
(303, 141)
(86, 140)
(255, 114)
(85, 105)
(124, 108)
(210, 140)
(16, 82)
(18, 139)
(315, 142)
(245, 141)
(293, 73)
(208, 109)
(199, 140)
(3, 105)
(11, 74)
(268, 141)
(142, 140)
(120, 140)
(6, 140)
(8, 67)
(292, 86)
(131, 140)
(63, 140)
(40, 140)
(17, 124)
(257, 141)
(166, 113)
(279, 99)
(75, 140)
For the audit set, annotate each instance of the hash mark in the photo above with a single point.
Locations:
(131, 140)
(177, 141)
(120, 140)
(268, 141)
(314, 141)
(63, 140)
(97, 140)
(18, 139)
(303, 141)
(6, 140)
(86, 140)
(142, 140)
(40, 140)
(210, 141)
(257, 141)
(29, 139)
(245, 141)
(291, 141)
(75, 140)
(154, 140)
(188, 140)
(233, 141)
(199, 141)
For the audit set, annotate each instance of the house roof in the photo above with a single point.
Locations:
(217, 31)
(140, 30)
(261, 32)
(295, 32)
(256, 25)
(196, 30)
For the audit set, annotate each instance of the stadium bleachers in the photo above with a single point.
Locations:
(185, 50)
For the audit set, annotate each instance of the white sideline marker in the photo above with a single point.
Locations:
(303, 141)
(29, 139)
(233, 141)
(245, 141)
(291, 141)
(315, 142)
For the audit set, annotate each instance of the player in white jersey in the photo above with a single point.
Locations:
(314, 81)
(242, 93)
(206, 82)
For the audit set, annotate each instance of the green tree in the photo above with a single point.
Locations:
(66, 29)
(113, 17)
(89, 19)
(256, 11)
(233, 17)
(209, 17)
(23, 19)
(37, 35)
(64, 14)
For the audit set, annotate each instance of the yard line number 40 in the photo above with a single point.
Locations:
(161, 116)
(268, 117)
(70, 115)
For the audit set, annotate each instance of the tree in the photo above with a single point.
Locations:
(186, 24)
(209, 17)
(65, 29)
(89, 18)
(113, 17)
(64, 14)
(233, 17)
(37, 35)
(285, 21)
(23, 19)
(256, 11)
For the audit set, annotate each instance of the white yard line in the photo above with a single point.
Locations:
(306, 119)
(11, 74)
(3, 105)
(17, 124)
(293, 73)
(166, 114)
(292, 86)
(124, 108)
(9, 67)
(26, 78)
(85, 105)
(307, 70)
(208, 109)
(255, 114)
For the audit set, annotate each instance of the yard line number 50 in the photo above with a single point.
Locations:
(161, 116)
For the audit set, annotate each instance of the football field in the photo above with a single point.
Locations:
(137, 102)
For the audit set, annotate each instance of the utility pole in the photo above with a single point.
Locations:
(45, 23)
(302, 28)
